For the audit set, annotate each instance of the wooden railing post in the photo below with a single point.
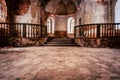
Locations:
(80, 32)
(11, 30)
(24, 30)
(45, 31)
(98, 30)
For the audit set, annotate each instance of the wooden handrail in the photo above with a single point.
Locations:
(98, 30)
(26, 30)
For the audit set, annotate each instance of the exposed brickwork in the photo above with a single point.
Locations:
(21, 6)
(27, 12)
(3, 11)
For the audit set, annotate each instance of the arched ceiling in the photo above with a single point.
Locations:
(62, 7)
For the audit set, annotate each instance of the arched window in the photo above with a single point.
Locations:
(71, 24)
(117, 13)
(50, 25)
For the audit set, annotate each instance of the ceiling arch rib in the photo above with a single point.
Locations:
(61, 7)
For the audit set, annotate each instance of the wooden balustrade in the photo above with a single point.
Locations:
(103, 30)
(98, 35)
(24, 30)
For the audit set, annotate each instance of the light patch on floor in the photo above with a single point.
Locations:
(59, 63)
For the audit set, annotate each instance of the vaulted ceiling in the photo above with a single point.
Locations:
(62, 7)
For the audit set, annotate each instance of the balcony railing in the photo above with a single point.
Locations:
(103, 30)
(24, 30)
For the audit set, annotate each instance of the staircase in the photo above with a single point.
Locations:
(52, 41)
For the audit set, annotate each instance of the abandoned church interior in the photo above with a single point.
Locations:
(59, 39)
(93, 23)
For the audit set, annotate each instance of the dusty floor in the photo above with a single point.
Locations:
(59, 63)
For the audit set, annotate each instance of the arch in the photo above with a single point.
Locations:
(3, 11)
(61, 10)
(50, 25)
(71, 7)
(61, 7)
(70, 25)
(117, 12)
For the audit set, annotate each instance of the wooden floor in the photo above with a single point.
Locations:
(59, 63)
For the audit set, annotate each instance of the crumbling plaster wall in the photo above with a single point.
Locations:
(31, 16)
(96, 11)
(117, 12)
(61, 23)
(62, 20)
(90, 11)
(3, 11)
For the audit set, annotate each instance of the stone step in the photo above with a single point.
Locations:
(57, 40)
(59, 45)
(60, 42)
